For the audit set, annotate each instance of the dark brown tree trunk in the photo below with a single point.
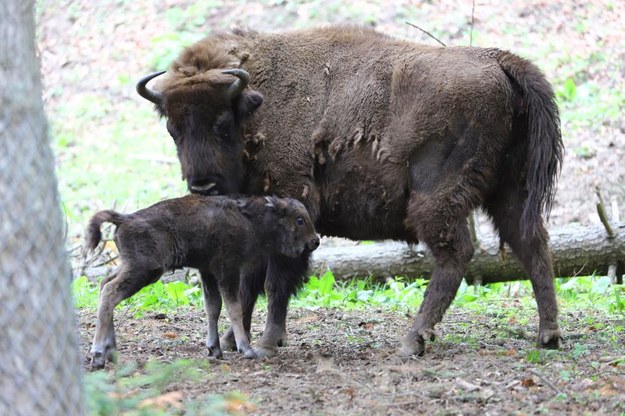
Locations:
(39, 368)
(576, 251)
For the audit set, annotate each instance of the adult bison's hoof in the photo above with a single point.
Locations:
(414, 343)
(250, 354)
(265, 352)
(550, 338)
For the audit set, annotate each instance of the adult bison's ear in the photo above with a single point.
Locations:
(246, 104)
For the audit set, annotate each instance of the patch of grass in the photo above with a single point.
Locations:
(158, 296)
(510, 303)
(324, 291)
(130, 391)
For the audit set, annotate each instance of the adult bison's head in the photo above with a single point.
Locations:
(206, 113)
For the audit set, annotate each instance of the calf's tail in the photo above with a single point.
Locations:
(94, 235)
(544, 140)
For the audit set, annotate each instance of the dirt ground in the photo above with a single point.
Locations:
(342, 362)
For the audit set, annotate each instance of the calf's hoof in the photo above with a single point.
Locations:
(228, 342)
(550, 339)
(215, 352)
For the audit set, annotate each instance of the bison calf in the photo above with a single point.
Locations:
(225, 238)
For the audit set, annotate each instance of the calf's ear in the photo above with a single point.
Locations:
(247, 103)
(276, 205)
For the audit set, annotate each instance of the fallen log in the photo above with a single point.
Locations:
(577, 250)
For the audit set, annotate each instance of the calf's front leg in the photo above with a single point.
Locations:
(285, 276)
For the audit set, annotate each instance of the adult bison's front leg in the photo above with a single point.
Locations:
(284, 277)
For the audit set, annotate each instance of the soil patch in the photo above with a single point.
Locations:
(344, 362)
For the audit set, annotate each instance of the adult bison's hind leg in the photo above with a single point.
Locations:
(446, 232)
(533, 253)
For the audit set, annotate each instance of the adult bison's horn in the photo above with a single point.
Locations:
(145, 92)
(239, 85)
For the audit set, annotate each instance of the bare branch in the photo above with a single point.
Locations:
(602, 214)
(472, 21)
(426, 32)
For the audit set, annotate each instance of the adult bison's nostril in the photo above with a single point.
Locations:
(204, 186)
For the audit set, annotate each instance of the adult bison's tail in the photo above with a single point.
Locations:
(94, 235)
(545, 147)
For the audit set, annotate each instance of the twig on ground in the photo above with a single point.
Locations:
(546, 381)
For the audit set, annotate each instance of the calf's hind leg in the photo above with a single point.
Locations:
(126, 283)
(250, 287)
(229, 289)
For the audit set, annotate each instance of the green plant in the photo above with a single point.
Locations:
(157, 296)
(533, 356)
(85, 293)
(325, 292)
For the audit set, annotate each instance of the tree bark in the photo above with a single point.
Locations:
(576, 251)
(39, 369)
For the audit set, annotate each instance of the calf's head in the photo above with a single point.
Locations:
(295, 231)
(206, 113)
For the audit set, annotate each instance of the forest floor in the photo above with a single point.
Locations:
(343, 362)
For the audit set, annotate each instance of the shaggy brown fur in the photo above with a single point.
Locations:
(222, 237)
(381, 139)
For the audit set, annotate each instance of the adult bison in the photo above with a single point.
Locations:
(381, 139)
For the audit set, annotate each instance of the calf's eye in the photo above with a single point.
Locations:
(299, 221)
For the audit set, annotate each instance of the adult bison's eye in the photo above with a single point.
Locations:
(222, 127)
(300, 221)
(173, 131)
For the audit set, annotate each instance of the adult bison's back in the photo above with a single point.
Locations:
(381, 139)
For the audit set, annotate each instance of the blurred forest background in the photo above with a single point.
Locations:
(112, 150)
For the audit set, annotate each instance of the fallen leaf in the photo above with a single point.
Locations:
(510, 352)
(366, 326)
(239, 404)
(528, 382)
(170, 335)
(466, 386)
(164, 401)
